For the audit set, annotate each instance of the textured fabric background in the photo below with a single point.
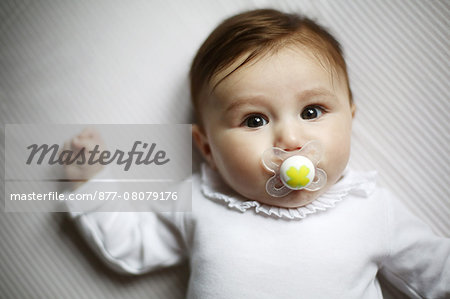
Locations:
(127, 61)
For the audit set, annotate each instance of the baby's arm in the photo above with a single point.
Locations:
(418, 261)
(129, 242)
(134, 243)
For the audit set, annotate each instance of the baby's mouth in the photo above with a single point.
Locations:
(294, 169)
(294, 149)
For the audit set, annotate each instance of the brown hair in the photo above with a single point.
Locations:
(258, 32)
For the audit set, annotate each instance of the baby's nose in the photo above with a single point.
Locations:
(288, 137)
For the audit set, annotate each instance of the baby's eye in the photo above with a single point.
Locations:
(254, 121)
(312, 112)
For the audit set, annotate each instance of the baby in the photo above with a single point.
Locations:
(270, 82)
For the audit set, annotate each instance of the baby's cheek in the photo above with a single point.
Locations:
(335, 162)
(241, 167)
(243, 173)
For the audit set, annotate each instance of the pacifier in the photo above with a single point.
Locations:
(294, 170)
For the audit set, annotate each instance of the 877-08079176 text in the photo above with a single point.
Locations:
(148, 195)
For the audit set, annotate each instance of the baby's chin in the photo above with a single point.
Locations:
(294, 199)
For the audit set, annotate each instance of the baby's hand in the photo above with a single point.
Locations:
(87, 139)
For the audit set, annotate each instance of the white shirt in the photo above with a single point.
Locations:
(331, 248)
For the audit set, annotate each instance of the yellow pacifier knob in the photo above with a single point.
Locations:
(297, 172)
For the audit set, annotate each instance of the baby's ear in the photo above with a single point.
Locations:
(202, 143)
(353, 108)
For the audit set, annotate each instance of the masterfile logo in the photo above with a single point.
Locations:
(147, 166)
(67, 157)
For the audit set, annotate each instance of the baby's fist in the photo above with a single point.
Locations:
(87, 140)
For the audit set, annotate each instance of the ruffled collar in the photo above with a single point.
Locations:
(360, 184)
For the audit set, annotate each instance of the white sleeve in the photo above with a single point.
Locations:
(418, 262)
(133, 242)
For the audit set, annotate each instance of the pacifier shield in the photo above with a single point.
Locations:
(294, 170)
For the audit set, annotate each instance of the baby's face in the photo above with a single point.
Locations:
(283, 100)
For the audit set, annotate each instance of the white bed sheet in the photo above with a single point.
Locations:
(127, 62)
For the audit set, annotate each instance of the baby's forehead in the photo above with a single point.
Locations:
(295, 65)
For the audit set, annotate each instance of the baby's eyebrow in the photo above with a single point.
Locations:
(255, 101)
(260, 100)
(316, 92)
